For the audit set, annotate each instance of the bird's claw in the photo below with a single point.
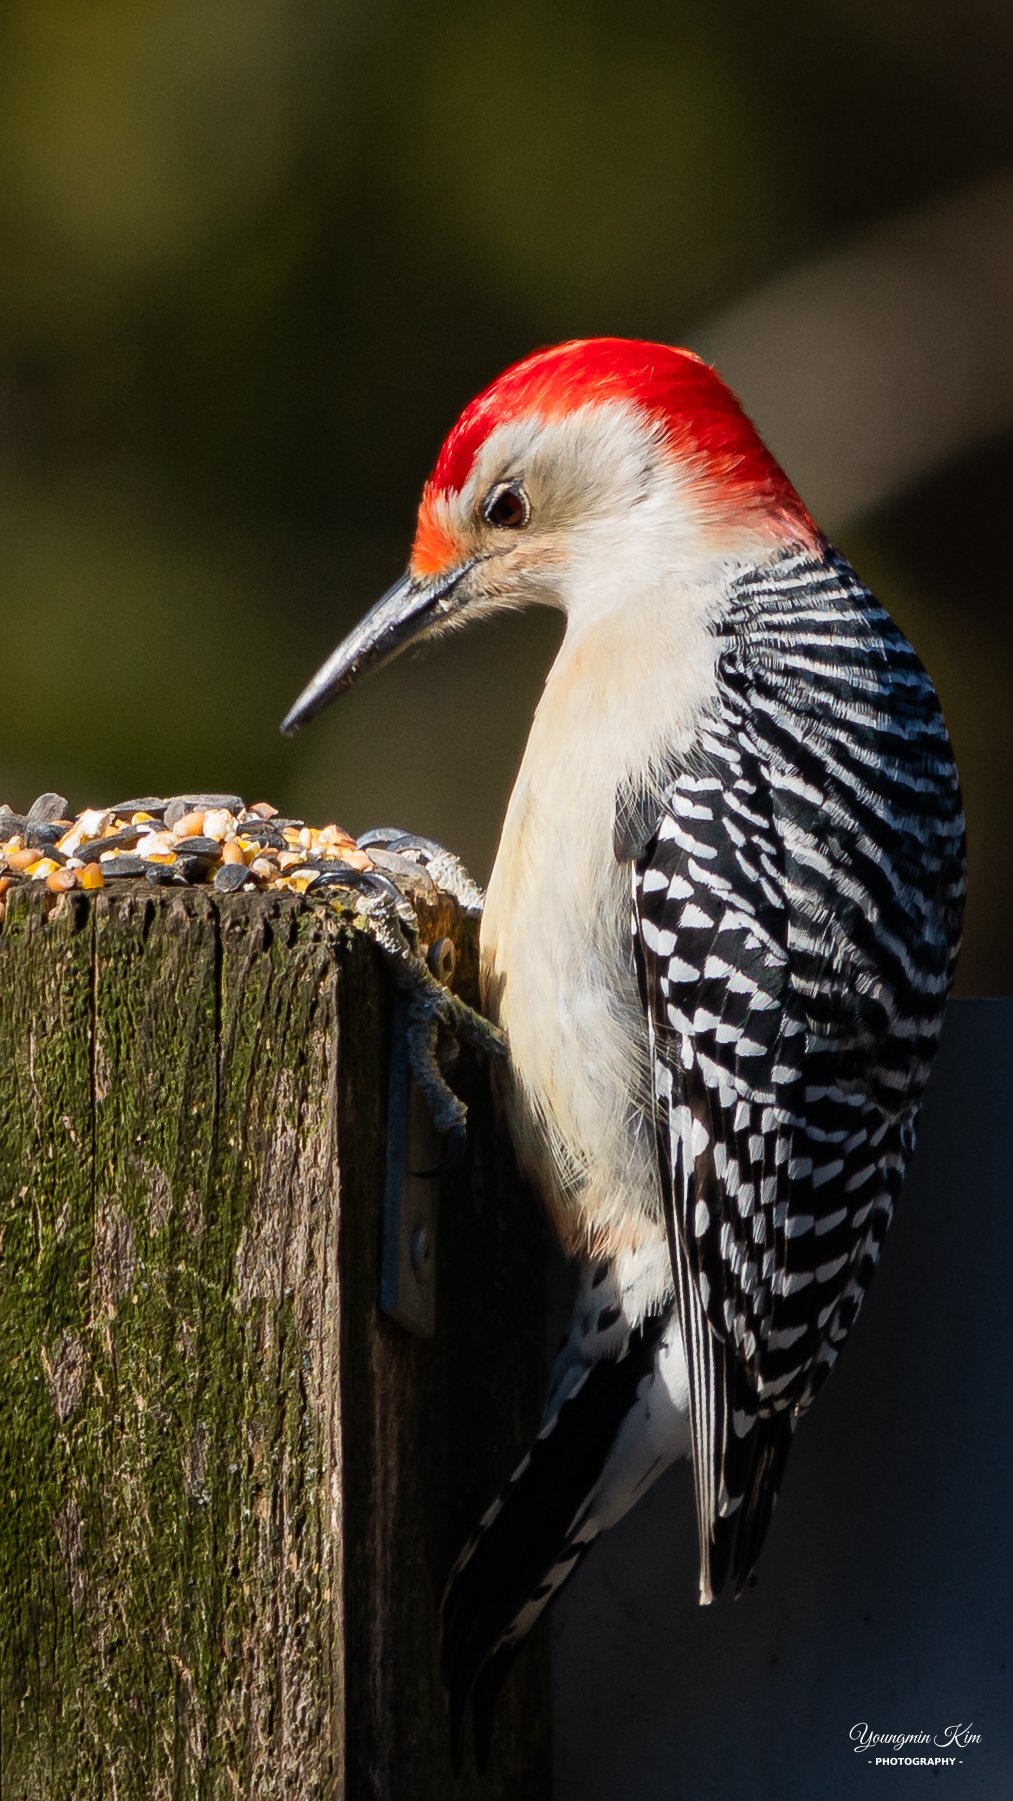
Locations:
(447, 1111)
(390, 922)
(446, 869)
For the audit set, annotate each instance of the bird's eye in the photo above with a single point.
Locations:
(507, 506)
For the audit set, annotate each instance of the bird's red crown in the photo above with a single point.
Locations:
(700, 420)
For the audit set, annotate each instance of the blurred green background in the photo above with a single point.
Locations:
(256, 254)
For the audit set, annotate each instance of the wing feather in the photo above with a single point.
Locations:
(793, 1006)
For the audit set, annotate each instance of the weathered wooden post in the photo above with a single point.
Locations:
(231, 1488)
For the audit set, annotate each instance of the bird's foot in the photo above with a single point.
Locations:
(446, 869)
(389, 921)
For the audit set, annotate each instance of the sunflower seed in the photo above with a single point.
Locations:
(122, 840)
(48, 806)
(116, 868)
(42, 837)
(207, 848)
(191, 870)
(147, 803)
(231, 877)
(263, 834)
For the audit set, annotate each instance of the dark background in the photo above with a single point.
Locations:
(255, 256)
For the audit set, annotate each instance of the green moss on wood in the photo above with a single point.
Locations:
(226, 1485)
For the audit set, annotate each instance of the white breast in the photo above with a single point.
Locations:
(556, 942)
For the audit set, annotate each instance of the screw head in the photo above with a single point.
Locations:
(421, 1252)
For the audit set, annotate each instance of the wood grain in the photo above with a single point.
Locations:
(230, 1490)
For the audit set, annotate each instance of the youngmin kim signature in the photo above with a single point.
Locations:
(895, 1748)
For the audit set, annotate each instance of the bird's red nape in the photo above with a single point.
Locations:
(700, 419)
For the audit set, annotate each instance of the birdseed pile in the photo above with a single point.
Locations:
(189, 839)
(217, 841)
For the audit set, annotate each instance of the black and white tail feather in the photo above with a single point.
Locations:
(797, 899)
(610, 1425)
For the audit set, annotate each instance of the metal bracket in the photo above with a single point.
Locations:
(411, 1195)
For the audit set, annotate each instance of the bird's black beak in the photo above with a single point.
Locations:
(406, 611)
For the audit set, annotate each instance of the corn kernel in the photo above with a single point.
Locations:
(20, 859)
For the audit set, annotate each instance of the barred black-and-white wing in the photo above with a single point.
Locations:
(796, 919)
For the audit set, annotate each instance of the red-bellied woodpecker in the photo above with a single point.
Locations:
(719, 933)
